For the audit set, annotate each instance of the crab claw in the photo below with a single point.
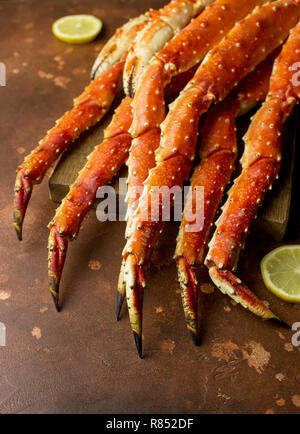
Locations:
(135, 283)
(163, 25)
(117, 46)
(189, 296)
(229, 284)
(57, 245)
(23, 190)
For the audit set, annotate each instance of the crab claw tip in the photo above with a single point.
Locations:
(119, 303)
(281, 322)
(54, 293)
(196, 338)
(56, 304)
(139, 344)
(18, 228)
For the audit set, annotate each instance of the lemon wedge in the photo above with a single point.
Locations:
(281, 272)
(77, 29)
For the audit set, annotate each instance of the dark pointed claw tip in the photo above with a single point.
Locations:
(18, 223)
(281, 322)
(55, 300)
(196, 338)
(119, 304)
(18, 229)
(139, 344)
(54, 291)
(57, 307)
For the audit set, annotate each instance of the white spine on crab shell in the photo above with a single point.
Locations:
(184, 11)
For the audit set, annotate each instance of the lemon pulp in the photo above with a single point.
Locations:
(281, 272)
(77, 29)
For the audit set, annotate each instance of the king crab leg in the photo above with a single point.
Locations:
(187, 49)
(103, 164)
(118, 45)
(200, 36)
(260, 167)
(217, 154)
(246, 45)
(165, 24)
(88, 109)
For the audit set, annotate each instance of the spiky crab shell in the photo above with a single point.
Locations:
(162, 26)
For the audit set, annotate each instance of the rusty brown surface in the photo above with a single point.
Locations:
(82, 360)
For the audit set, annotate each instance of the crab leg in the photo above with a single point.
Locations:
(68, 219)
(164, 25)
(88, 109)
(187, 49)
(260, 167)
(118, 45)
(217, 154)
(150, 41)
(103, 164)
(246, 45)
(201, 35)
(138, 167)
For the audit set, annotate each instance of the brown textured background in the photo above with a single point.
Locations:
(82, 360)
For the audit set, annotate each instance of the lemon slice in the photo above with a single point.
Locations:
(77, 29)
(281, 272)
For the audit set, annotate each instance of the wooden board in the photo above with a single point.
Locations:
(273, 216)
